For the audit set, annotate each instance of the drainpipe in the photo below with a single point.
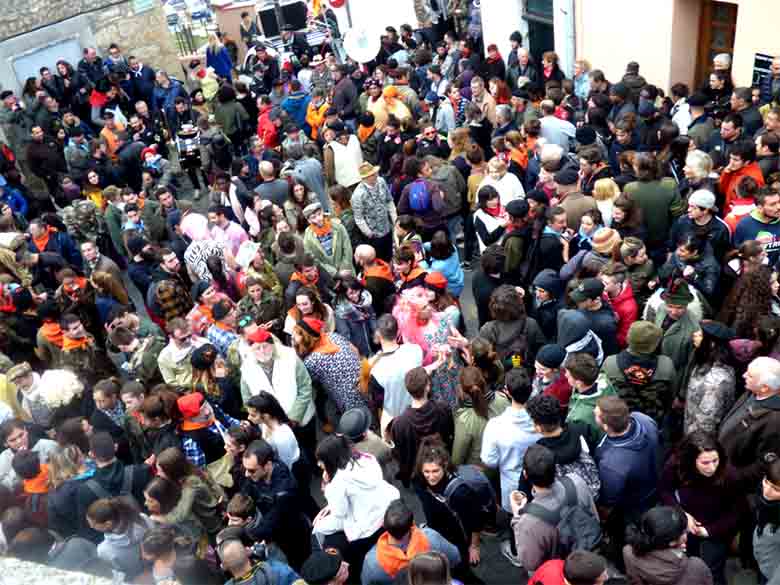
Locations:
(563, 29)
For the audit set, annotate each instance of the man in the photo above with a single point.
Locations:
(320, 77)
(702, 220)
(13, 119)
(620, 296)
(374, 211)
(387, 392)
(344, 95)
(327, 241)
(168, 296)
(409, 273)
(620, 98)
(681, 111)
(423, 198)
(129, 161)
(77, 155)
(592, 168)
(143, 262)
(742, 104)
(376, 275)
(14, 437)
(44, 238)
(110, 134)
(439, 85)
(142, 80)
(722, 141)
(646, 381)
(507, 436)
(91, 66)
(272, 188)
(701, 126)
(325, 568)
(553, 240)
(628, 465)
(742, 163)
(308, 169)
(762, 224)
(423, 417)
(226, 232)
(222, 333)
(248, 29)
(601, 319)
(236, 561)
(45, 160)
(251, 259)
(582, 373)
(126, 318)
(632, 79)
(555, 130)
(770, 84)
(308, 273)
(273, 488)
(174, 359)
(767, 150)
(483, 99)
(771, 122)
(678, 323)
(581, 568)
(516, 241)
(505, 122)
(401, 541)
(79, 351)
(342, 156)
(570, 198)
(536, 536)
(111, 479)
(751, 429)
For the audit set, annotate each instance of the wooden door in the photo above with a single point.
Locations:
(717, 29)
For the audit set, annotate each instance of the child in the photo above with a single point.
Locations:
(406, 234)
(33, 494)
(241, 514)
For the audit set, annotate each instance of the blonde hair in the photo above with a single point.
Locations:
(460, 139)
(584, 65)
(496, 165)
(108, 284)
(214, 42)
(605, 190)
(64, 463)
(700, 163)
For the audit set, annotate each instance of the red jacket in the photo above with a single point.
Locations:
(627, 311)
(267, 130)
(561, 389)
(729, 181)
(550, 573)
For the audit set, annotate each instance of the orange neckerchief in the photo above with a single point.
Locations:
(38, 484)
(192, 425)
(325, 345)
(299, 277)
(79, 284)
(413, 273)
(296, 315)
(321, 231)
(380, 269)
(41, 241)
(393, 559)
(365, 132)
(141, 202)
(69, 344)
(205, 310)
(220, 325)
(53, 333)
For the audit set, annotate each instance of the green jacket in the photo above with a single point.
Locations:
(676, 342)
(660, 203)
(655, 395)
(340, 259)
(227, 114)
(582, 406)
(114, 222)
(469, 427)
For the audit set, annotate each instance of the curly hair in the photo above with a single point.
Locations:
(748, 301)
(506, 304)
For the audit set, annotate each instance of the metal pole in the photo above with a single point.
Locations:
(349, 14)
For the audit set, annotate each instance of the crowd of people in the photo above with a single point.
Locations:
(228, 300)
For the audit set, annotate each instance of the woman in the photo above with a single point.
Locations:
(641, 270)
(299, 197)
(355, 315)
(693, 261)
(627, 218)
(68, 471)
(357, 497)
(458, 103)
(443, 258)
(160, 498)
(750, 297)
(549, 376)
(711, 387)
(275, 426)
(515, 336)
(699, 479)
(332, 363)
(210, 378)
(71, 89)
(308, 304)
(581, 79)
(656, 551)
(590, 223)
(485, 359)
(93, 190)
(697, 174)
(109, 293)
(494, 66)
(218, 58)
(766, 537)
(205, 296)
(342, 210)
(490, 218)
(499, 90)
(430, 568)
(199, 495)
(507, 184)
(477, 405)
(230, 115)
(123, 529)
(550, 69)
(605, 193)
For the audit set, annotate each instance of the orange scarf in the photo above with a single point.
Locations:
(205, 310)
(79, 284)
(193, 425)
(380, 269)
(38, 484)
(365, 132)
(413, 273)
(321, 231)
(69, 344)
(53, 333)
(296, 315)
(141, 202)
(43, 240)
(299, 277)
(326, 346)
(393, 559)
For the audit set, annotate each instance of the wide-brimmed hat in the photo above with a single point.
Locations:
(605, 239)
(367, 169)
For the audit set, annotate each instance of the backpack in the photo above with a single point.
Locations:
(126, 490)
(578, 526)
(484, 496)
(419, 196)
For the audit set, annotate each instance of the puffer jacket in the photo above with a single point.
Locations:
(665, 567)
(705, 274)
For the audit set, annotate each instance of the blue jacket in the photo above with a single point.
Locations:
(450, 268)
(374, 574)
(628, 467)
(61, 244)
(279, 573)
(295, 105)
(143, 85)
(750, 226)
(15, 200)
(220, 62)
(164, 98)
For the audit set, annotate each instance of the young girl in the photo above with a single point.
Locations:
(123, 529)
(355, 316)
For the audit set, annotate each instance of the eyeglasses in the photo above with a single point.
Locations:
(245, 320)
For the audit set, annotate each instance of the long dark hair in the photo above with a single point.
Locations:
(335, 452)
(432, 450)
(711, 351)
(175, 465)
(658, 527)
(473, 386)
(166, 492)
(693, 445)
(266, 403)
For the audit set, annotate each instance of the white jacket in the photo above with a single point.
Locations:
(358, 497)
(8, 477)
(347, 160)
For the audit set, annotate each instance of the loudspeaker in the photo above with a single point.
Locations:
(268, 21)
(294, 13)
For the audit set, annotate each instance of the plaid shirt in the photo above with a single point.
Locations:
(221, 339)
(116, 414)
(191, 448)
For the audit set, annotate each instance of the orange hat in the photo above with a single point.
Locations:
(436, 280)
(312, 326)
(189, 405)
(390, 91)
(259, 335)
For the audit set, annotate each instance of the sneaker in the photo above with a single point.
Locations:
(506, 550)
(196, 195)
(465, 265)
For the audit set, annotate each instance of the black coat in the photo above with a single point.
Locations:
(142, 84)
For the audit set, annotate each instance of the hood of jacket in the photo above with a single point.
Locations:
(425, 420)
(111, 476)
(572, 326)
(637, 438)
(567, 446)
(662, 567)
(359, 475)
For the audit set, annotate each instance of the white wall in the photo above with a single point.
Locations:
(500, 18)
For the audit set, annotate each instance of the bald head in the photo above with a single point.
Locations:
(364, 254)
(266, 170)
(235, 559)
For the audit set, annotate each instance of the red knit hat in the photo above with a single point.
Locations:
(189, 405)
(148, 150)
(436, 280)
(312, 326)
(259, 335)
